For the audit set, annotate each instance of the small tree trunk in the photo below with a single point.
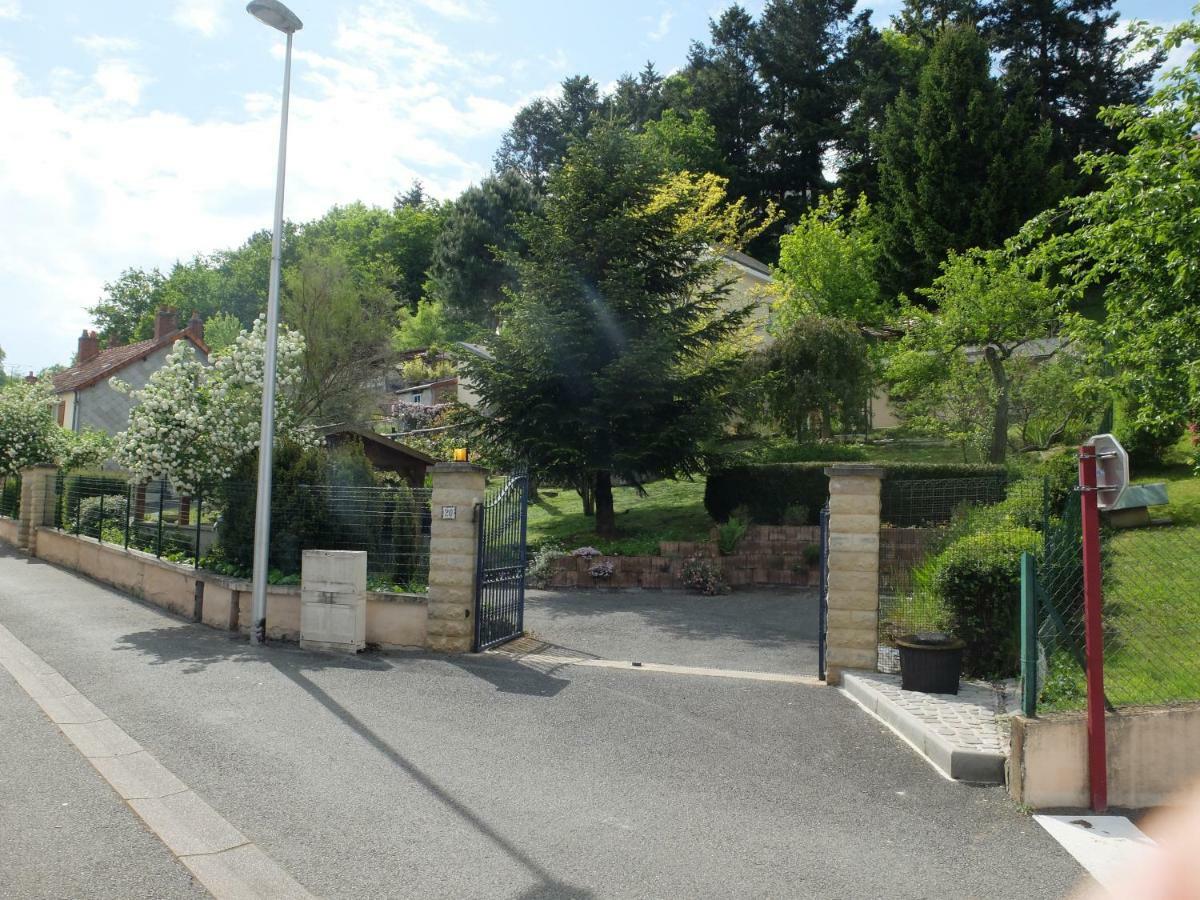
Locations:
(999, 445)
(587, 494)
(606, 517)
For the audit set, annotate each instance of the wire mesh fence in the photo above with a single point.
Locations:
(949, 562)
(1150, 614)
(216, 530)
(10, 496)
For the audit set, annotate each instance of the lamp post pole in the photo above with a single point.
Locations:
(278, 16)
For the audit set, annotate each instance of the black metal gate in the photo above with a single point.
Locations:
(823, 615)
(500, 576)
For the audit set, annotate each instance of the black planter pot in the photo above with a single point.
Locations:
(930, 663)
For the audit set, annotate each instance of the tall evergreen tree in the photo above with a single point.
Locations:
(637, 100)
(923, 20)
(801, 49)
(470, 272)
(542, 131)
(959, 166)
(723, 78)
(1071, 52)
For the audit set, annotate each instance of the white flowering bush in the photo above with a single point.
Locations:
(29, 435)
(191, 422)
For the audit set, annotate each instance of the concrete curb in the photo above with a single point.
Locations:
(955, 762)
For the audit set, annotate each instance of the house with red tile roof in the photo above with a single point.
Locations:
(87, 400)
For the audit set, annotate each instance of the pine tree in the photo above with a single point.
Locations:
(1070, 51)
(923, 20)
(959, 167)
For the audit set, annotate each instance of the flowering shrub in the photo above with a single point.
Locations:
(541, 566)
(602, 570)
(703, 575)
(29, 435)
(585, 552)
(191, 422)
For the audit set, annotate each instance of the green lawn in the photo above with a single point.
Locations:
(1151, 605)
(670, 511)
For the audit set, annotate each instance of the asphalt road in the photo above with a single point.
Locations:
(757, 631)
(420, 776)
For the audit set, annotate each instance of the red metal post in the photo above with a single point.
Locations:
(1093, 630)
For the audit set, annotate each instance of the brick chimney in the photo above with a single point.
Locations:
(31, 379)
(89, 346)
(195, 327)
(165, 322)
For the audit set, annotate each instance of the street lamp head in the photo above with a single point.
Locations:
(275, 14)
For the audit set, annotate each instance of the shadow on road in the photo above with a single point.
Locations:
(197, 650)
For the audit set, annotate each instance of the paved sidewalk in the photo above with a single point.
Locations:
(418, 775)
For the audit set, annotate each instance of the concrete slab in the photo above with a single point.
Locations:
(187, 825)
(100, 739)
(138, 776)
(958, 734)
(244, 872)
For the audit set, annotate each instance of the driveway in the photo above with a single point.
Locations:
(758, 631)
(414, 775)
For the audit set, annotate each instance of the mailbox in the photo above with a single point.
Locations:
(1112, 469)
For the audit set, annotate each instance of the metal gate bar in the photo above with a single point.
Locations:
(823, 606)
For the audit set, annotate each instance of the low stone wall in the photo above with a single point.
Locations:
(1152, 755)
(768, 555)
(393, 620)
(9, 529)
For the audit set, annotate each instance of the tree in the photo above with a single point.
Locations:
(193, 422)
(346, 350)
(614, 355)
(681, 145)
(469, 269)
(923, 20)
(1135, 242)
(801, 51)
(827, 265)
(431, 327)
(1072, 53)
(990, 308)
(723, 82)
(637, 100)
(29, 436)
(959, 167)
(541, 132)
(125, 313)
(816, 376)
(221, 330)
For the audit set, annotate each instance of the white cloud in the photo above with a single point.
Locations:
(10, 9)
(100, 181)
(663, 26)
(118, 82)
(203, 16)
(459, 9)
(105, 45)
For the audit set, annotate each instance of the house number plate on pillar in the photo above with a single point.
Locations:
(449, 512)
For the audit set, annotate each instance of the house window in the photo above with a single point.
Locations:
(416, 398)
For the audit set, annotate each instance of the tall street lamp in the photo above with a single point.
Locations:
(278, 16)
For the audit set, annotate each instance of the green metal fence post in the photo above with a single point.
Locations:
(162, 494)
(100, 527)
(128, 510)
(1029, 629)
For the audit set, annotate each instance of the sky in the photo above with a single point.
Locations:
(136, 133)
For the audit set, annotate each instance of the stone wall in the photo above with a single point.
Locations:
(1152, 755)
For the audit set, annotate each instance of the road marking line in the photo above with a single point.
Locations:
(629, 665)
(219, 856)
(890, 727)
(1109, 847)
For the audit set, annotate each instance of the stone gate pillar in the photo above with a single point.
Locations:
(853, 621)
(457, 487)
(39, 495)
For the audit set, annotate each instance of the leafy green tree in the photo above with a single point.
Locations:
(959, 166)
(827, 265)
(469, 269)
(125, 313)
(29, 436)
(815, 378)
(986, 306)
(221, 330)
(346, 350)
(614, 356)
(682, 145)
(1135, 241)
(431, 327)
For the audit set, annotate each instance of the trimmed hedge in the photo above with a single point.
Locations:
(769, 489)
